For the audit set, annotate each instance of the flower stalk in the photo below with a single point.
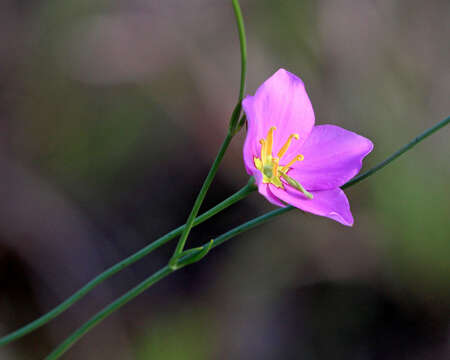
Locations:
(184, 230)
(91, 285)
(165, 271)
(232, 130)
(235, 123)
(173, 262)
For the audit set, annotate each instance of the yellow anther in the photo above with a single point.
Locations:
(269, 141)
(287, 144)
(299, 157)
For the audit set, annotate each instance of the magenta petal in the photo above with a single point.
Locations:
(281, 101)
(263, 189)
(333, 156)
(252, 148)
(329, 203)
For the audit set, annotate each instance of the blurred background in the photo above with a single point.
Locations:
(110, 115)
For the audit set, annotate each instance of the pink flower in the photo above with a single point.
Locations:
(292, 160)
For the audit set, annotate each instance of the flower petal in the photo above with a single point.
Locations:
(333, 156)
(281, 101)
(329, 203)
(252, 148)
(263, 189)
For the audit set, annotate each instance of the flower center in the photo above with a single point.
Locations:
(270, 167)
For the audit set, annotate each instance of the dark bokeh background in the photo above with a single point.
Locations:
(112, 111)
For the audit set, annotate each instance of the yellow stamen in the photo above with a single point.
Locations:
(275, 167)
(263, 150)
(269, 142)
(286, 145)
(299, 157)
(270, 167)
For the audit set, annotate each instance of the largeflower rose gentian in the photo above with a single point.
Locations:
(293, 161)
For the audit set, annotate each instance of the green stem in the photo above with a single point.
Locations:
(399, 152)
(241, 194)
(72, 339)
(198, 202)
(243, 46)
(184, 230)
(231, 132)
(159, 275)
(234, 125)
(115, 305)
